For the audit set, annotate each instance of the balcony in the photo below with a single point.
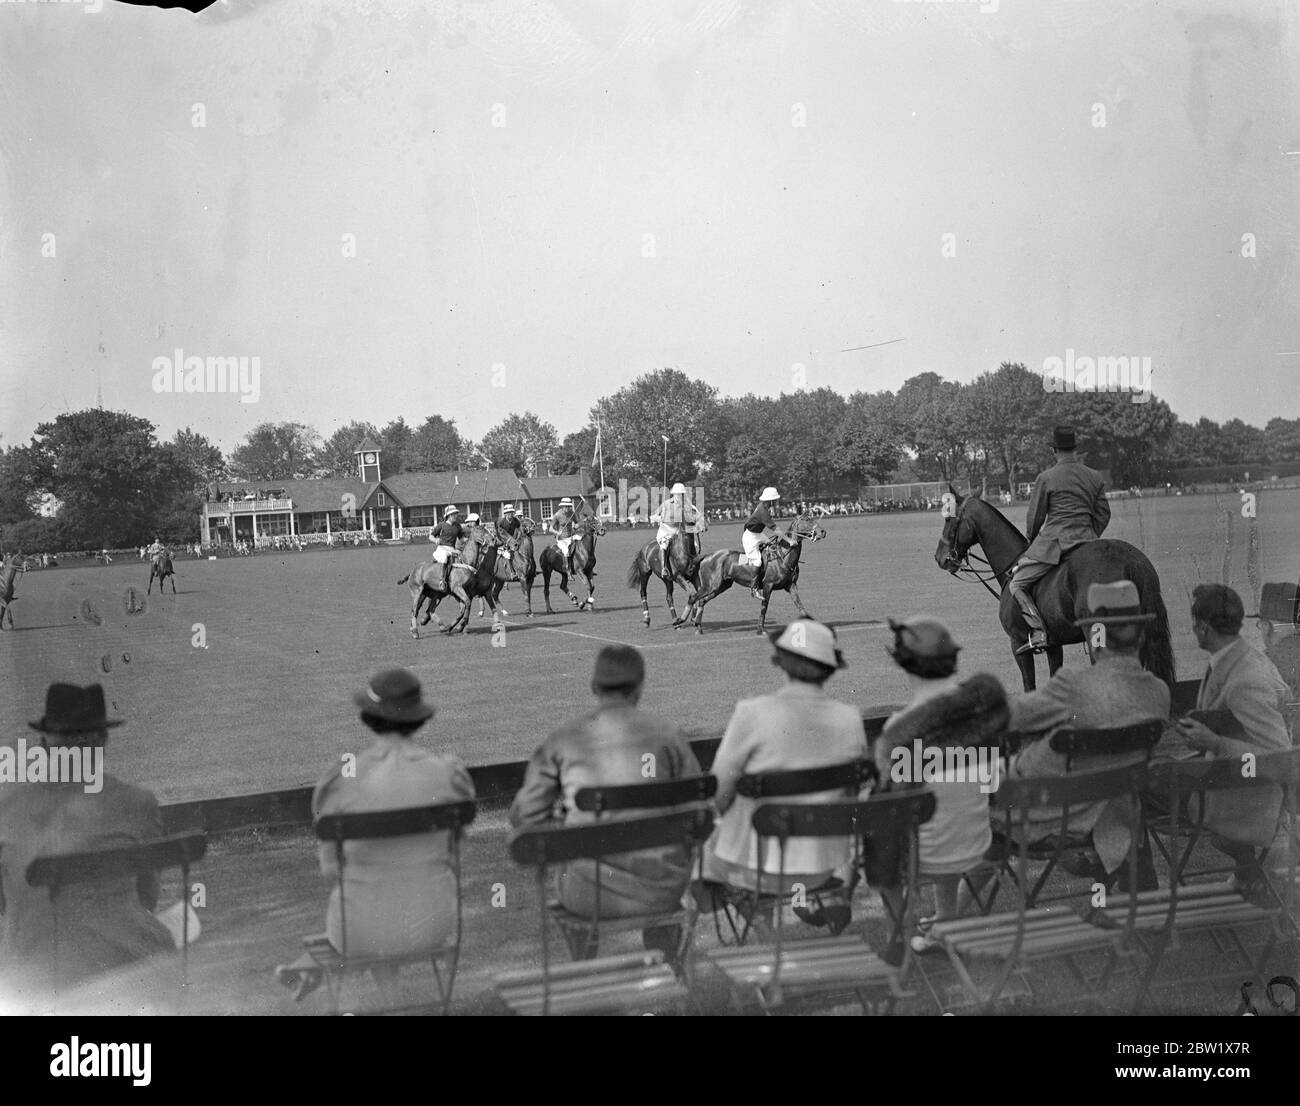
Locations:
(247, 506)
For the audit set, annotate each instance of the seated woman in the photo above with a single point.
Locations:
(944, 713)
(400, 892)
(797, 726)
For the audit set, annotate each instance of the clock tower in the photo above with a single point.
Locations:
(367, 457)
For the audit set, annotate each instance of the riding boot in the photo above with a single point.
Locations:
(1037, 630)
(756, 588)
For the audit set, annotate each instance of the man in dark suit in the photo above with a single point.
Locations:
(1066, 508)
(1241, 680)
(104, 924)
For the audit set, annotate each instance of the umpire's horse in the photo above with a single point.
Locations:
(649, 562)
(471, 575)
(516, 565)
(160, 567)
(1061, 595)
(717, 571)
(8, 573)
(584, 564)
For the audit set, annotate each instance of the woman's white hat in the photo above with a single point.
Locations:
(806, 637)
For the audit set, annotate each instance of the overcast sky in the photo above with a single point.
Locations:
(526, 245)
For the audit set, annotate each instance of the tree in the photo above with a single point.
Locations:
(277, 451)
(1003, 416)
(867, 444)
(1243, 444)
(1282, 440)
(200, 458)
(927, 408)
(1129, 439)
(396, 440)
(666, 403)
(16, 492)
(337, 457)
(518, 442)
(435, 447)
(576, 451)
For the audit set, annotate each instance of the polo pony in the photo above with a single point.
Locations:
(160, 567)
(584, 564)
(473, 574)
(8, 573)
(717, 571)
(1061, 595)
(515, 565)
(674, 566)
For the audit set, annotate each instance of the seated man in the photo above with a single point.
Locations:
(758, 532)
(608, 745)
(677, 513)
(446, 536)
(1115, 690)
(797, 726)
(1243, 681)
(102, 925)
(400, 892)
(509, 525)
(564, 523)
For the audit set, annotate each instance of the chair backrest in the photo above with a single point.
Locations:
(645, 796)
(805, 781)
(175, 851)
(882, 817)
(370, 825)
(1075, 743)
(1025, 794)
(543, 845)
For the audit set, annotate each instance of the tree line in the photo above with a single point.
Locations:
(95, 478)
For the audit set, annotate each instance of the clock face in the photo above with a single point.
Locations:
(370, 458)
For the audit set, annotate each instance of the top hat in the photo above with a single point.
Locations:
(618, 666)
(394, 696)
(73, 709)
(1280, 603)
(810, 639)
(922, 637)
(1063, 438)
(1112, 603)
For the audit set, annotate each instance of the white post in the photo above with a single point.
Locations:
(327, 524)
(392, 521)
(255, 528)
(292, 532)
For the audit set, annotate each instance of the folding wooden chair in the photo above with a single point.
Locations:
(1221, 907)
(741, 906)
(1075, 744)
(1049, 930)
(612, 983)
(54, 873)
(581, 934)
(771, 974)
(336, 963)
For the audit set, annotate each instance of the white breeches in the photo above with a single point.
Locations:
(443, 554)
(749, 542)
(564, 544)
(665, 535)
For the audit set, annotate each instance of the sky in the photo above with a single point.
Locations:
(411, 207)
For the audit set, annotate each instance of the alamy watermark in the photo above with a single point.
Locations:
(1098, 374)
(83, 764)
(179, 373)
(922, 763)
(91, 7)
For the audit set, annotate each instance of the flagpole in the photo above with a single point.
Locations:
(600, 449)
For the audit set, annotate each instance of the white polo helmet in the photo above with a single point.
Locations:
(566, 502)
(508, 509)
(471, 517)
(452, 509)
(769, 494)
(678, 489)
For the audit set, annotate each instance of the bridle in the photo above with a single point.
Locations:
(963, 557)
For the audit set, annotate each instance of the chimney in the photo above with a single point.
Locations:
(542, 466)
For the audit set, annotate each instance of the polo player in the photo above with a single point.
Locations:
(509, 524)
(675, 512)
(446, 536)
(759, 530)
(1068, 507)
(562, 524)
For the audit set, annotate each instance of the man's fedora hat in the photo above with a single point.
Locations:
(1063, 438)
(1115, 602)
(921, 636)
(810, 639)
(618, 666)
(394, 696)
(73, 709)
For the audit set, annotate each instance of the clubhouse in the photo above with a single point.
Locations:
(385, 507)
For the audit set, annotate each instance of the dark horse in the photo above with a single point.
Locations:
(584, 564)
(160, 568)
(472, 575)
(1061, 595)
(518, 566)
(8, 572)
(717, 571)
(649, 561)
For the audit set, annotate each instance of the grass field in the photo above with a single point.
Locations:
(289, 637)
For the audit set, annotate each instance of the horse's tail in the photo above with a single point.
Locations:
(634, 571)
(1157, 653)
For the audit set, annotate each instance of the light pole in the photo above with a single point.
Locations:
(665, 438)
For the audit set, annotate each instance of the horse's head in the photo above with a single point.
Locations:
(958, 531)
(805, 528)
(593, 526)
(528, 526)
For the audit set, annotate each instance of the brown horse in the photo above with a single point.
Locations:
(471, 575)
(1061, 595)
(160, 567)
(717, 571)
(584, 564)
(517, 567)
(649, 561)
(8, 573)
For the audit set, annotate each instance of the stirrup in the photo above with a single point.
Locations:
(1034, 647)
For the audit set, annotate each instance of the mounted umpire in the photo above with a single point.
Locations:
(1068, 507)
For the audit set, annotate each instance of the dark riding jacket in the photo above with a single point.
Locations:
(449, 533)
(760, 520)
(1068, 507)
(510, 527)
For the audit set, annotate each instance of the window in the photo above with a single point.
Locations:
(423, 516)
(525, 509)
(381, 501)
(547, 507)
(270, 525)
